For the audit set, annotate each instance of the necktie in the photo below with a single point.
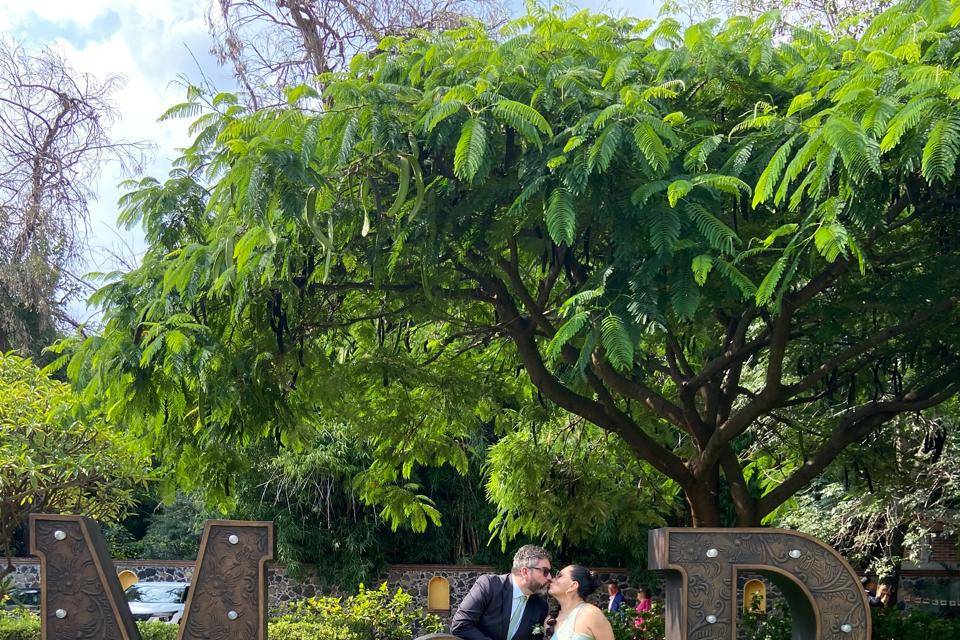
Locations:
(518, 605)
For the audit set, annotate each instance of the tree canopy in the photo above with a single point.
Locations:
(52, 460)
(694, 239)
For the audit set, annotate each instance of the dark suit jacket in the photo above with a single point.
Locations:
(484, 614)
(617, 602)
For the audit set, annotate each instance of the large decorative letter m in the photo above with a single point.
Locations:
(702, 566)
(81, 597)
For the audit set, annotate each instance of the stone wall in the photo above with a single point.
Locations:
(416, 578)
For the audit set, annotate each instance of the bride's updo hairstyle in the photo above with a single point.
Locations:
(587, 581)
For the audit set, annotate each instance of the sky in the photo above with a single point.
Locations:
(152, 44)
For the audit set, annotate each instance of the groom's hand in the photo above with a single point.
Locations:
(548, 626)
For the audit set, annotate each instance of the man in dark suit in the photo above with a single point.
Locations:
(507, 607)
(616, 598)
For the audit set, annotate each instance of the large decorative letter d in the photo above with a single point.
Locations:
(824, 594)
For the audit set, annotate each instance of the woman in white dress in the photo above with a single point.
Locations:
(578, 619)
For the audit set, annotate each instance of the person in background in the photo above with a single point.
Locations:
(644, 603)
(870, 588)
(886, 596)
(616, 598)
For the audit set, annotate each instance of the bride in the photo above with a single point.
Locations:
(578, 620)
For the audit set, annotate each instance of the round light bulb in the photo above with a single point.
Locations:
(60, 613)
(60, 535)
(846, 627)
(232, 615)
(712, 553)
(234, 539)
(795, 553)
(711, 618)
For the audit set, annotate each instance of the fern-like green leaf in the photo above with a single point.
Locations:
(737, 278)
(684, 295)
(728, 184)
(701, 267)
(768, 286)
(941, 150)
(696, 158)
(782, 230)
(800, 102)
(651, 146)
(573, 325)
(561, 217)
(644, 192)
(520, 115)
(906, 119)
(617, 342)
(718, 235)
(771, 174)
(604, 148)
(471, 150)
(618, 71)
(677, 190)
(438, 113)
(831, 240)
(859, 152)
(664, 228)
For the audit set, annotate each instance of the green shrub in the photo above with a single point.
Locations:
(20, 624)
(891, 624)
(629, 625)
(372, 614)
(156, 631)
(286, 629)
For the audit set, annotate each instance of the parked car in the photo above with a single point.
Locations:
(24, 599)
(157, 600)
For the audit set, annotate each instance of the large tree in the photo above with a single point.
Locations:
(692, 239)
(53, 460)
(54, 138)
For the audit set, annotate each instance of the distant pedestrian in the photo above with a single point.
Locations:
(616, 598)
(644, 603)
(870, 588)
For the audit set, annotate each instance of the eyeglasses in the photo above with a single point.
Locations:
(546, 570)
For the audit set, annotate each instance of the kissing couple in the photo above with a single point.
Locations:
(514, 606)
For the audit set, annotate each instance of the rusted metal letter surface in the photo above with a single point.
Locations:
(228, 596)
(80, 595)
(824, 594)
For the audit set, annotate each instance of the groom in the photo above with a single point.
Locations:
(507, 607)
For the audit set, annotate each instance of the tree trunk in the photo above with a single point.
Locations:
(703, 498)
(895, 551)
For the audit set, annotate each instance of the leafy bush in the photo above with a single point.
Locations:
(892, 624)
(157, 631)
(20, 624)
(630, 625)
(369, 615)
(372, 614)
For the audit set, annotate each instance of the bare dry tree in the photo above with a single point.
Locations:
(273, 44)
(54, 139)
(840, 17)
